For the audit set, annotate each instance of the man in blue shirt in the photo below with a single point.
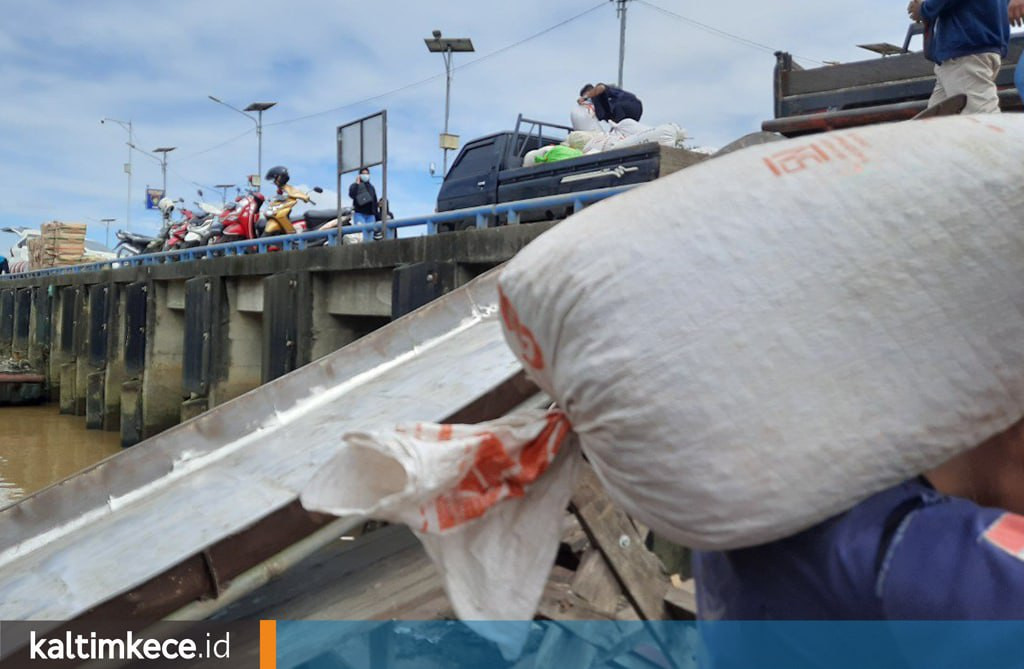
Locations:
(968, 42)
(948, 545)
(5, 268)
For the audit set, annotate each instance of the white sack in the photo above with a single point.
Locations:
(757, 342)
(634, 133)
(487, 501)
(584, 118)
(578, 139)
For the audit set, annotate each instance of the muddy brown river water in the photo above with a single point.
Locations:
(39, 446)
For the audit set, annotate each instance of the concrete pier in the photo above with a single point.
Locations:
(140, 349)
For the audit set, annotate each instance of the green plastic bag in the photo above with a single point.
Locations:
(559, 153)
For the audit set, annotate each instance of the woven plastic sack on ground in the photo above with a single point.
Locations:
(487, 501)
(753, 344)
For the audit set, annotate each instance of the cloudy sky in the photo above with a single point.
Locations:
(704, 65)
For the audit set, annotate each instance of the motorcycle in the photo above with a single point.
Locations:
(279, 211)
(240, 220)
(322, 219)
(132, 244)
(200, 228)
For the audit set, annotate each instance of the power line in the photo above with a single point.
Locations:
(435, 77)
(719, 32)
(224, 143)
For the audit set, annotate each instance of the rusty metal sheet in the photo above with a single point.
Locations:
(133, 516)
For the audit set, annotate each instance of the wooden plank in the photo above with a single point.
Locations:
(595, 582)
(610, 529)
(573, 536)
(682, 601)
(560, 603)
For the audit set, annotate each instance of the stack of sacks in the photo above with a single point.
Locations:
(631, 133)
(38, 258)
(785, 331)
(63, 243)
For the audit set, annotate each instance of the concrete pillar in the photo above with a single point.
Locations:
(40, 330)
(64, 364)
(56, 324)
(361, 293)
(93, 365)
(238, 366)
(162, 379)
(6, 323)
(135, 308)
(330, 331)
(22, 322)
(287, 311)
(81, 354)
(114, 374)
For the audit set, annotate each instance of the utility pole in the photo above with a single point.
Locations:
(127, 125)
(620, 11)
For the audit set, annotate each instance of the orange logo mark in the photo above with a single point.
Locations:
(847, 147)
(496, 475)
(529, 351)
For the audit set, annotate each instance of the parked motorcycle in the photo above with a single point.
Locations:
(200, 228)
(132, 244)
(322, 219)
(279, 211)
(241, 220)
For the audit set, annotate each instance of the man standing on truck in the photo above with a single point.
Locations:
(611, 103)
(969, 40)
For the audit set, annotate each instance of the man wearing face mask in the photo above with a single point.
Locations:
(364, 199)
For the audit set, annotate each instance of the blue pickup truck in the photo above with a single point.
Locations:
(489, 170)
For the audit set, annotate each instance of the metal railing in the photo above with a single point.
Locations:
(481, 216)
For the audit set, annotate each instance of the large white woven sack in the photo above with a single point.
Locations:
(756, 343)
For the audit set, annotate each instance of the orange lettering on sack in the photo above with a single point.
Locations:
(529, 351)
(495, 475)
(800, 158)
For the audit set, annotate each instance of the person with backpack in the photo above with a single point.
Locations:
(364, 199)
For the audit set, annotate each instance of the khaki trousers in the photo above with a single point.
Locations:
(974, 76)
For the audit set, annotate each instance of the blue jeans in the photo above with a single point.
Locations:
(358, 219)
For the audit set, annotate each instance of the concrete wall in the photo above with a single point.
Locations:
(138, 350)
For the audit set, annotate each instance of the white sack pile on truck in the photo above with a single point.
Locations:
(778, 334)
(589, 137)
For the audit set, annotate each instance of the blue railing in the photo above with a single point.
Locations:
(512, 211)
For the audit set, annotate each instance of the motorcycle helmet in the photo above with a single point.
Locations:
(278, 175)
(166, 206)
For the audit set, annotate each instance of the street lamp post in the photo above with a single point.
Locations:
(447, 46)
(107, 222)
(162, 159)
(259, 108)
(163, 151)
(127, 125)
(224, 192)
